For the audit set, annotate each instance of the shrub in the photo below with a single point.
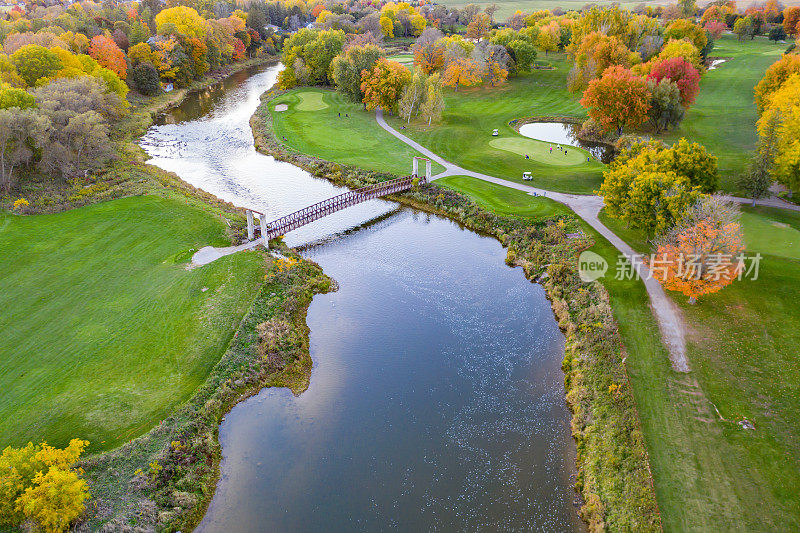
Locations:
(145, 79)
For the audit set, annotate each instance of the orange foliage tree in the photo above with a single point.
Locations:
(462, 71)
(429, 51)
(791, 20)
(617, 99)
(702, 255)
(479, 26)
(106, 52)
(383, 84)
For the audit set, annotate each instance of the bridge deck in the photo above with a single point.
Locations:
(287, 223)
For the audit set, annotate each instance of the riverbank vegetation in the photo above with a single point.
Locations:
(611, 453)
(165, 479)
(67, 72)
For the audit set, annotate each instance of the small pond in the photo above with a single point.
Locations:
(565, 133)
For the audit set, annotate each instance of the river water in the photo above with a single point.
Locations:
(436, 400)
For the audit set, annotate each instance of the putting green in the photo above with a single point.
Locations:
(310, 101)
(540, 151)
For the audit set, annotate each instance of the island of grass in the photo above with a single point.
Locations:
(105, 329)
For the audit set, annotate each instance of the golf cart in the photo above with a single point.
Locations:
(527, 176)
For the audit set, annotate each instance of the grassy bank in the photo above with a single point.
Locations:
(745, 366)
(327, 125)
(106, 331)
(165, 479)
(614, 474)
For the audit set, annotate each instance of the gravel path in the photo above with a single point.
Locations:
(673, 331)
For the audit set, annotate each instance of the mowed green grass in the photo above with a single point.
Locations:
(105, 331)
(503, 200)
(771, 231)
(507, 7)
(465, 137)
(539, 151)
(709, 474)
(342, 132)
(310, 101)
(743, 352)
(723, 118)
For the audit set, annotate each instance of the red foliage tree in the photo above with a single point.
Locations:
(109, 55)
(238, 49)
(617, 99)
(683, 73)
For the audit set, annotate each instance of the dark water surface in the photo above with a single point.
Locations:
(436, 398)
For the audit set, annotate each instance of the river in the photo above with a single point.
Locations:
(436, 399)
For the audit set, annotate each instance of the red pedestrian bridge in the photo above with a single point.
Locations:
(292, 221)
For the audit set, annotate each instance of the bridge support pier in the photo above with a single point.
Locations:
(264, 236)
(428, 170)
(251, 231)
(414, 168)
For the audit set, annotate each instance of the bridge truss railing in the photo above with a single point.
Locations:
(287, 223)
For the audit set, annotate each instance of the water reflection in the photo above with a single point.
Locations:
(436, 399)
(207, 141)
(566, 133)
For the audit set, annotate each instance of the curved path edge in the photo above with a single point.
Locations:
(670, 322)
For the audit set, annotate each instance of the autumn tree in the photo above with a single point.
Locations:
(34, 62)
(757, 179)
(413, 96)
(665, 104)
(38, 484)
(791, 19)
(463, 71)
(18, 129)
(181, 20)
(701, 254)
(479, 26)
(13, 97)
(657, 200)
(774, 77)
(781, 119)
(383, 84)
(346, 68)
(715, 28)
(433, 107)
(682, 73)
(429, 51)
(683, 49)
(548, 37)
(685, 29)
(78, 110)
(617, 99)
(307, 57)
(595, 53)
(106, 52)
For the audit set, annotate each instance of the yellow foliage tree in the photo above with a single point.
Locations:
(186, 21)
(783, 115)
(38, 484)
(55, 499)
(462, 71)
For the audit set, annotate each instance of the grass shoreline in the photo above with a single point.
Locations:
(605, 422)
(129, 495)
